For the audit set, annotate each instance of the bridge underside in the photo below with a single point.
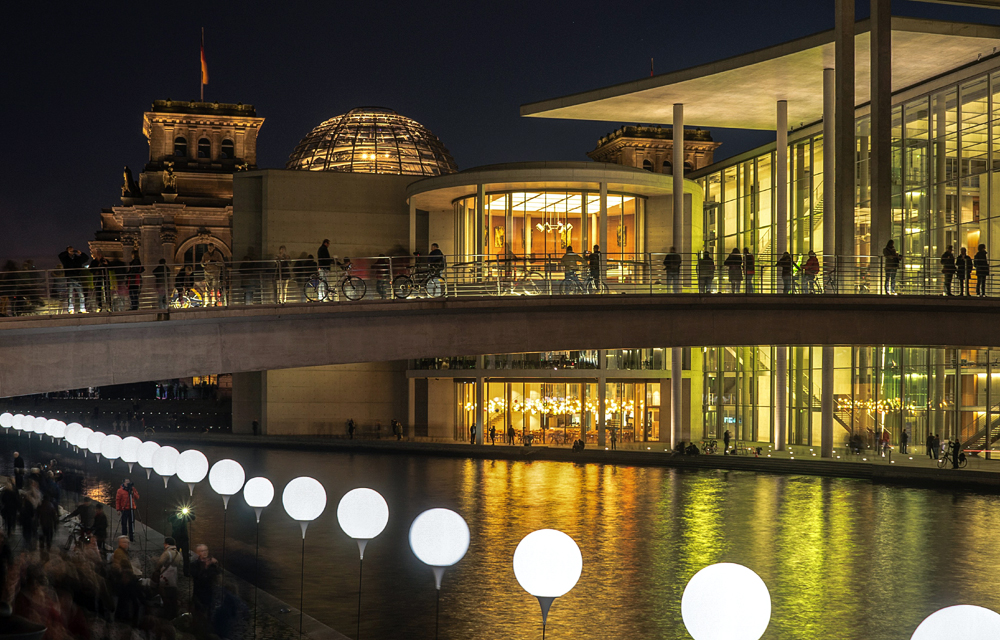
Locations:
(68, 352)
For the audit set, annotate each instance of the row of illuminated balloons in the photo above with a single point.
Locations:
(547, 563)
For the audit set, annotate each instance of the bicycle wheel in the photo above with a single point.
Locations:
(313, 288)
(435, 287)
(119, 303)
(528, 287)
(569, 287)
(354, 288)
(942, 463)
(962, 462)
(402, 287)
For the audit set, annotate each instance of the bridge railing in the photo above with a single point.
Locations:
(119, 288)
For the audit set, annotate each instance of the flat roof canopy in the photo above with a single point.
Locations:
(741, 92)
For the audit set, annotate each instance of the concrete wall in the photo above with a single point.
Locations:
(441, 408)
(320, 400)
(362, 214)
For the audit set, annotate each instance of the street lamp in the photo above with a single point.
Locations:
(547, 564)
(748, 603)
(226, 479)
(964, 621)
(165, 463)
(304, 500)
(130, 451)
(258, 493)
(362, 514)
(144, 456)
(192, 467)
(111, 448)
(439, 538)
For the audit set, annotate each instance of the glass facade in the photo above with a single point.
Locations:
(945, 183)
(540, 223)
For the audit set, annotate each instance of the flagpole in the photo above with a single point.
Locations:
(201, 66)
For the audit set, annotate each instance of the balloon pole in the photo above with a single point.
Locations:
(225, 512)
(361, 566)
(256, 561)
(437, 614)
(302, 582)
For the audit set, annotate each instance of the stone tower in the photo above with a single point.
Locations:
(652, 148)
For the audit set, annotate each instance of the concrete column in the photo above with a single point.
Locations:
(827, 405)
(781, 179)
(602, 223)
(676, 395)
(480, 402)
(780, 397)
(881, 125)
(829, 164)
(411, 407)
(938, 144)
(681, 244)
(844, 127)
(602, 399)
(413, 226)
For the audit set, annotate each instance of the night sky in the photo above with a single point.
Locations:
(78, 76)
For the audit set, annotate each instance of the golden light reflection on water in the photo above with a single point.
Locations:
(843, 559)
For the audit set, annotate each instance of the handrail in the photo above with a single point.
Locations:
(117, 287)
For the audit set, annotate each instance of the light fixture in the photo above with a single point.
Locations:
(111, 448)
(748, 603)
(130, 451)
(93, 443)
(362, 514)
(304, 500)
(258, 493)
(192, 467)
(439, 538)
(6, 420)
(547, 564)
(965, 621)
(226, 479)
(144, 455)
(165, 463)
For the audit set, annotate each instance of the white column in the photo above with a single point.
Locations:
(826, 416)
(480, 403)
(413, 226)
(480, 249)
(602, 398)
(781, 180)
(829, 158)
(780, 396)
(680, 242)
(603, 225)
(676, 395)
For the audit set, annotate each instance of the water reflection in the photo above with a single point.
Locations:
(842, 558)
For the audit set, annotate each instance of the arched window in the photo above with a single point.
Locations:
(204, 148)
(180, 146)
(228, 150)
(667, 168)
(688, 167)
(647, 165)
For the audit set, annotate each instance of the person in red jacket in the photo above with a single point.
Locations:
(126, 503)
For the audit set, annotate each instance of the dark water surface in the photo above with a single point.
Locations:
(842, 558)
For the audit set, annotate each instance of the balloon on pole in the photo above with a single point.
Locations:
(165, 463)
(191, 468)
(144, 455)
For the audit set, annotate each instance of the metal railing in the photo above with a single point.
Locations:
(123, 288)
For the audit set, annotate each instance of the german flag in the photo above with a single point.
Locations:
(204, 64)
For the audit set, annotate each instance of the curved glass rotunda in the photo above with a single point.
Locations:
(372, 140)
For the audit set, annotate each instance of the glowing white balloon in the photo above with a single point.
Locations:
(362, 514)
(40, 425)
(130, 451)
(226, 479)
(258, 493)
(192, 467)
(82, 437)
(144, 455)
(964, 621)
(748, 603)
(439, 538)
(94, 441)
(18, 422)
(165, 463)
(59, 432)
(50, 427)
(304, 499)
(69, 435)
(547, 564)
(6, 420)
(111, 448)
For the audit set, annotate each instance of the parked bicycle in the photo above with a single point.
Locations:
(424, 283)
(318, 289)
(709, 446)
(946, 456)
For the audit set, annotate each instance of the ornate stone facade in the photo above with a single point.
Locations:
(652, 148)
(184, 195)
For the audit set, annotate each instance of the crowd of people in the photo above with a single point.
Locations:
(94, 587)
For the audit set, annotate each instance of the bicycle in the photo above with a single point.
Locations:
(318, 289)
(571, 285)
(709, 446)
(528, 283)
(945, 460)
(78, 537)
(186, 299)
(426, 284)
(590, 285)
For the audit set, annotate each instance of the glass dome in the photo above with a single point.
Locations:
(372, 140)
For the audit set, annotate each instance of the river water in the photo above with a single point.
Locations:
(842, 558)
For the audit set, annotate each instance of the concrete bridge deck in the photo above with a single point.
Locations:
(49, 353)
